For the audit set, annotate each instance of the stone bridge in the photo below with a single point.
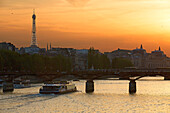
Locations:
(123, 74)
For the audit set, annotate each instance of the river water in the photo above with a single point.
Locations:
(110, 96)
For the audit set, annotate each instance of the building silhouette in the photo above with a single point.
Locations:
(140, 58)
(34, 38)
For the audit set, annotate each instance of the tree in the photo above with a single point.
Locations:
(1, 63)
(12, 61)
(98, 61)
(121, 63)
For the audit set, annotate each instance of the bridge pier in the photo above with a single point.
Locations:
(8, 86)
(132, 87)
(89, 86)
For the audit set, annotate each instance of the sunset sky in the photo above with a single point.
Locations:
(103, 24)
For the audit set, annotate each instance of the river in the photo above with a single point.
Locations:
(110, 96)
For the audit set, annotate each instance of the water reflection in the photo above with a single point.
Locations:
(109, 96)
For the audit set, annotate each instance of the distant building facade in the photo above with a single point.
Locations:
(61, 51)
(29, 50)
(81, 59)
(119, 53)
(141, 59)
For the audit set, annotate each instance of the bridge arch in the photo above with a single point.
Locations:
(154, 75)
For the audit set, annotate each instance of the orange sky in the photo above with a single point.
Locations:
(103, 24)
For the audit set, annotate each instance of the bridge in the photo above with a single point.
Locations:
(89, 75)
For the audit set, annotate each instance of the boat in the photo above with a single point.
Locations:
(58, 88)
(1, 84)
(8, 86)
(22, 84)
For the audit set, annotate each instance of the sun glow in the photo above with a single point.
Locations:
(89, 22)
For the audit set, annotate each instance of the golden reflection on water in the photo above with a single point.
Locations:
(109, 96)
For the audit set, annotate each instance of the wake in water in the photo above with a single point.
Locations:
(23, 100)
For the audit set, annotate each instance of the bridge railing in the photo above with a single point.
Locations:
(128, 70)
(111, 71)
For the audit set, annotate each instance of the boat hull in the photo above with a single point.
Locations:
(57, 92)
(19, 86)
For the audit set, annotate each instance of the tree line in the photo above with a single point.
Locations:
(12, 61)
(97, 60)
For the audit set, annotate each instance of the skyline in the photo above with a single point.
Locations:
(50, 47)
(88, 23)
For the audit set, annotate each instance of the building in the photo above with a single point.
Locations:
(29, 50)
(81, 59)
(140, 51)
(67, 52)
(157, 59)
(7, 46)
(119, 53)
(140, 58)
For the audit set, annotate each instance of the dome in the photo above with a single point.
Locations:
(158, 51)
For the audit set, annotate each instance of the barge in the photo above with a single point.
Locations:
(58, 88)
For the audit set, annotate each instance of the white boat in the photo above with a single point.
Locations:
(57, 88)
(22, 84)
